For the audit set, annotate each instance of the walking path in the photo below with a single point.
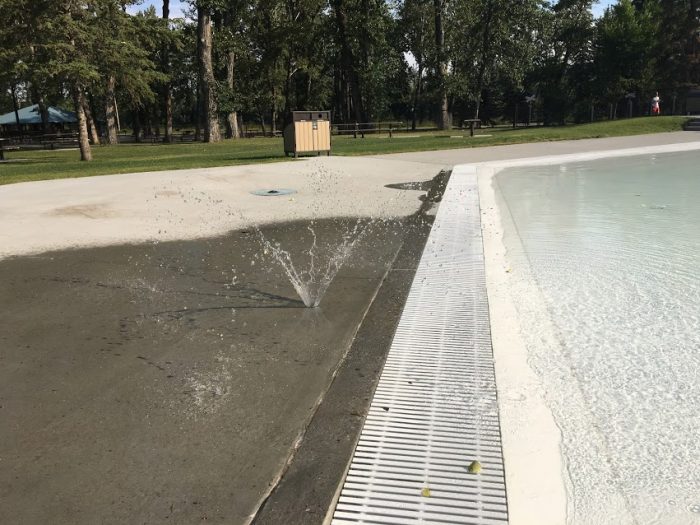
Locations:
(449, 158)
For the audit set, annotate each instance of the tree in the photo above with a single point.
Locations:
(567, 39)
(206, 74)
(71, 58)
(676, 46)
(167, 86)
(348, 70)
(623, 60)
(444, 117)
(229, 41)
(416, 31)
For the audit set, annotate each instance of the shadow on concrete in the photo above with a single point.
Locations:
(168, 381)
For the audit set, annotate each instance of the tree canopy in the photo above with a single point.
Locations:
(232, 63)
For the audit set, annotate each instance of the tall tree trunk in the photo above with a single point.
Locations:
(198, 102)
(167, 89)
(206, 74)
(198, 116)
(339, 94)
(116, 113)
(484, 58)
(443, 121)
(420, 61)
(273, 112)
(137, 124)
(287, 90)
(348, 61)
(43, 110)
(83, 140)
(94, 136)
(168, 113)
(416, 95)
(307, 93)
(93, 109)
(15, 105)
(111, 111)
(233, 131)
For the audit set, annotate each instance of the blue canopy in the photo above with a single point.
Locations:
(31, 115)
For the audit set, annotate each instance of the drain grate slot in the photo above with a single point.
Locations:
(435, 409)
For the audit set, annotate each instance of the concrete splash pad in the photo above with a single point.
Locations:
(169, 381)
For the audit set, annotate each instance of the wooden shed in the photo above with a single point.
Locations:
(309, 131)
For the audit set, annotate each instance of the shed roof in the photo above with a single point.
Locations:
(31, 115)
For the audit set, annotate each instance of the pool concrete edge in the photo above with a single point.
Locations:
(536, 478)
(530, 438)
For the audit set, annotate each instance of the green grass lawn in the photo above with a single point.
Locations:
(42, 165)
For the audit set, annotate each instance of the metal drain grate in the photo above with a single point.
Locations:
(435, 409)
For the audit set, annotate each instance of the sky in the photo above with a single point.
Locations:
(177, 6)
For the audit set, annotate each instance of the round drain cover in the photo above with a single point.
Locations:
(273, 192)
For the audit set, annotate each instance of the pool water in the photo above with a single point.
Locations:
(612, 248)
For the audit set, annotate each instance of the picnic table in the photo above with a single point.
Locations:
(472, 123)
(5, 146)
(51, 140)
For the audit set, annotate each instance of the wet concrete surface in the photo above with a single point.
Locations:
(168, 383)
(307, 493)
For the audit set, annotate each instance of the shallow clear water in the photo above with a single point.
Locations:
(611, 249)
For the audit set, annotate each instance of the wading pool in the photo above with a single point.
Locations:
(612, 247)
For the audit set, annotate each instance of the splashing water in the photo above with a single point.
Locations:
(312, 272)
(312, 281)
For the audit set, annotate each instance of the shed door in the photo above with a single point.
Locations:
(304, 136)
(323, 135)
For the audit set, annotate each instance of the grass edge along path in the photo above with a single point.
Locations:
(24, 166)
